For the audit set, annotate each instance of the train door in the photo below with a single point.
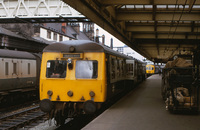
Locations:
(15, 72)
(131, 71)
(113, 69)
(139, 72)
(27, 73)
(136, 71)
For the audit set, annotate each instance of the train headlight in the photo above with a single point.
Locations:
(50, 93)
(92, 94)
(70, 65)
(69, 60)
(70, 93)
(71, 49)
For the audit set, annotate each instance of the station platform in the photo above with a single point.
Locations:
(143, 109)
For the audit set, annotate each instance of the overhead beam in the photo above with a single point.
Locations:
(144, 2)
(140, 28)
(188, 42)
(159, 17)
(163, 23)
(192, 2)
(165, 35)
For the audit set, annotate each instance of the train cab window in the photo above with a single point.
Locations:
(86, 69)
(6, 68)
(150, 68)
(56, 69)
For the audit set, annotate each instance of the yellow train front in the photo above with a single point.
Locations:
(150, 69)
(77, 76)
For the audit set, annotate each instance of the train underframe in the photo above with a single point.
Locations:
(18, 96)
(60, 111)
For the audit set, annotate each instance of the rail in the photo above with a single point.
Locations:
(20, 118)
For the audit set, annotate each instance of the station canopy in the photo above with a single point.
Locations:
(157, 29)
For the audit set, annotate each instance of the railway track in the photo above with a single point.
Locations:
(21, 118)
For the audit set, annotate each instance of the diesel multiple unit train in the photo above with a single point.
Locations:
(78, 76)
(153, 69)
(19, 76)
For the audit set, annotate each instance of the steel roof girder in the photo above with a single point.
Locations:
(165, 36)
(160, 28)
(36, 9)
(145, 2)
(159, 17)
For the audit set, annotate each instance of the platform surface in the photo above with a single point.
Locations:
(143, 109)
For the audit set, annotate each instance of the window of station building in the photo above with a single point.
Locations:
(60, 38)
(56, 69)
(86, 69)
(48, 34)
(120, 49)
(55, 36)
(4, 40)
(29, 68)
(6, 68)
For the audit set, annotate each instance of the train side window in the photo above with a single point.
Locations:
(113, 68)
(86, 69)
(6, 68)
(56, 69)
(15, 68)
(129, 69)
(118, 69)
(122, 68)
(29, 68)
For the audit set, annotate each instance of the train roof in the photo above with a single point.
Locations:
(82, 46)
(4, 53)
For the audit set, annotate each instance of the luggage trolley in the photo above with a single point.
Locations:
(179, 90)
